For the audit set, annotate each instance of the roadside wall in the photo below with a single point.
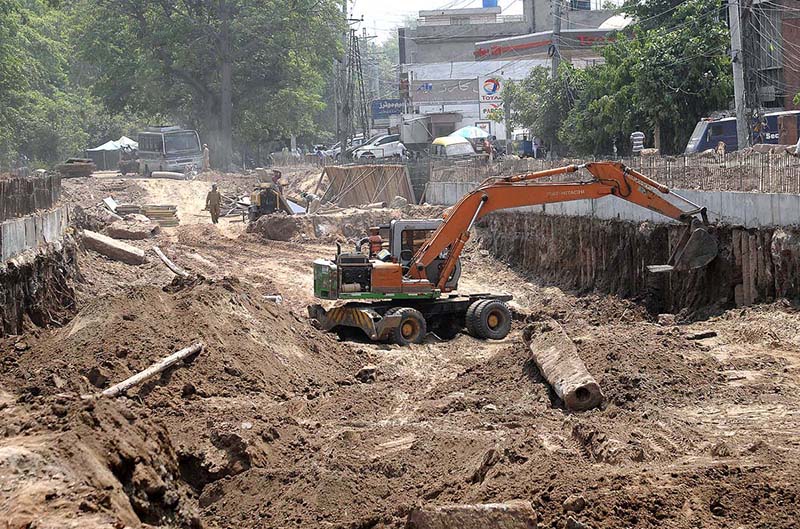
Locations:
(32, 231)
(37, 257)
(750, 210)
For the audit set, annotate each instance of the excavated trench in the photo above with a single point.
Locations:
(35, 287)
(587, 254)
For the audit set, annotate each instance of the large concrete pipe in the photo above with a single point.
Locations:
(557, 358)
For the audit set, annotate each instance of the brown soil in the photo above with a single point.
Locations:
(268, 427)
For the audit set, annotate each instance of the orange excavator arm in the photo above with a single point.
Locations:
(610, 178)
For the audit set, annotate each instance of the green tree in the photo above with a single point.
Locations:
(541, 103)
(659, 76)
(251, 68)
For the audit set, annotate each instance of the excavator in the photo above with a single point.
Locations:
(405, 284)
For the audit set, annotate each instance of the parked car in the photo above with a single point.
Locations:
(385, 146)
(335, 152)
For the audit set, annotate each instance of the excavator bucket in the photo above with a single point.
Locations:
(696, 249)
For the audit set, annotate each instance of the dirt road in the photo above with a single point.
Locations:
(269, 427)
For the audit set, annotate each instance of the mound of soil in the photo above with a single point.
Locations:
(351, 223)
(251, 345)
(72, 462)
(282, 227)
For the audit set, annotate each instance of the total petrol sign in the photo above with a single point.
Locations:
(490, 89)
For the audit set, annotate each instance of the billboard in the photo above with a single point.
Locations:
(491, 89)
(490, 110)
(383, 108)
(442, 91)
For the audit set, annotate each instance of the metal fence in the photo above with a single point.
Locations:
(761, 172)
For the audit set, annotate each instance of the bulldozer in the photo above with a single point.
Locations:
(266, 198)
(405, 284)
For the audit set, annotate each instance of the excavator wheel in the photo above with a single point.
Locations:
(469, 318)
(412, 328)
(492, 320)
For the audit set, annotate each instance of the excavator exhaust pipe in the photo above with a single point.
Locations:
(696, 249)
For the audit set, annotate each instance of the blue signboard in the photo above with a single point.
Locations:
(383, 108)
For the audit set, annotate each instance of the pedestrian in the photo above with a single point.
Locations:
(535, 147)
(213, 199)
(487, 147)
(206, 158)
(637, 142)
(321, 157)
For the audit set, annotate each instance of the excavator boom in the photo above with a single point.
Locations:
(695, 250)
(399, 296)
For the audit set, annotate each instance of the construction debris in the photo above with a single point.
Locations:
(150, 372)
(171, 175)
(177, 270)
(398, 202)
(76, 167)
(132, 227)
(165, 215)
(119, 251)
(557, 358)
(516, 514)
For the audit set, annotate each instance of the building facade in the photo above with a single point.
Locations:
(771, 38)
(455, 62)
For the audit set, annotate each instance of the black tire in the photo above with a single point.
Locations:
(492, 320)
(412, 328)
(469, 318)
(447, 327)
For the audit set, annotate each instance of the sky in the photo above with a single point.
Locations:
(382, 16)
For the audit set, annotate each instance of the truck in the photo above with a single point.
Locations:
(401, 280)
(169, 148)
(777, 128)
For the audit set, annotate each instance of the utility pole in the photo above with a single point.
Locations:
(342, 114)
(556, 49)
(739, 90)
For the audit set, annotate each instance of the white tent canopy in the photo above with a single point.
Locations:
(115, 145)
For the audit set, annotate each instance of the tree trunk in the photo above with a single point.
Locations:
(226, 89)
(657, 137)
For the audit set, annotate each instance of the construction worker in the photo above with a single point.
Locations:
(213, 199)
(206, 158)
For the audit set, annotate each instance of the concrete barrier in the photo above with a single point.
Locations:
(750, 210)
(32, 231)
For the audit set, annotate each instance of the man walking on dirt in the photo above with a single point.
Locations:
(206, 158)
(213, 200)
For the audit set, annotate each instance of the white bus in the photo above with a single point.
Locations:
(169, 149)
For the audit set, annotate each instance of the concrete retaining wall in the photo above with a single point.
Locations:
(589, 254)
(750, 210)
(32, 231)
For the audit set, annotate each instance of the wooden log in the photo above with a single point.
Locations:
(557, 358)
(761, 267)
(169, 175)
(150, 372)
(177, 270)
(745, 252)
(117, 250)
(753, 256)
(738, 289)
